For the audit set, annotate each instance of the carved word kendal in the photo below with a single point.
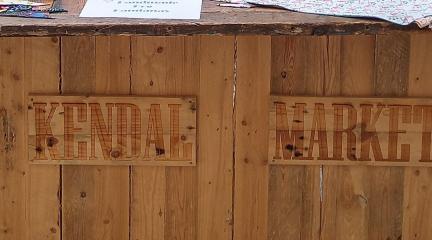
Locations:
(109, 130)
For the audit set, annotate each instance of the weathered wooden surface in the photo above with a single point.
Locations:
(214, 20)
(164, 66)
(346, 189)
(298, 67)
(218, 198)
(42, 66)
(349, 131)
(13, 171)
(251, 164)
(193, 203)
(105, 130)
(417, 211)
(95, 199)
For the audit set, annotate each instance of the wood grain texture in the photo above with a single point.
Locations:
(392, 64)
(345, 209)
(294, 191)
(147, 135)
(42, 70)
(148, 184)
(386, 196)
(276, 202)
(417, 192)
(13, 169)
(292, 143)
(251, 164)
(181, 188)
(95, 199)
(215, 168)
(342, 200)
(214, 20)
(165, 67)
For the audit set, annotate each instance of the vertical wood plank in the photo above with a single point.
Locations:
(294, 191)
(42, 68)
(392, 64)
(417, 215)
(13, 159)
(181, 182)
(215, 168)
(345, 209)
(167, 208)
(391, 60)
(251, 137)
(78, 77)
(148, 184)
(330, 53)
(95, 198)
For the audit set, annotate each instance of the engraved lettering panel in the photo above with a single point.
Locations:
(350, 131)
(79, 130)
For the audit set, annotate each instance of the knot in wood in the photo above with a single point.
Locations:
(51, 141)
(115, 153)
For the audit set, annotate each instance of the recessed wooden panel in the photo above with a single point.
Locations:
(79, 130)
(350, 131)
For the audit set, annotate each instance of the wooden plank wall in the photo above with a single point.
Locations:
(95, 199)
(232, 193)
(329, 202)
(97, 202)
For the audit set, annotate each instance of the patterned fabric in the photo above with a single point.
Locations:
(424, 22)
(401, 12)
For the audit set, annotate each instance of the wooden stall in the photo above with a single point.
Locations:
(224, 84)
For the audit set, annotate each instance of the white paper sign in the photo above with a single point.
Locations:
(157, 9)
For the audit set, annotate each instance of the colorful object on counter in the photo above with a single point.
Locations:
(26, 14)
(16, 8)
(27, 9)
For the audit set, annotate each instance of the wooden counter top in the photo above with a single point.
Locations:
(214, 20)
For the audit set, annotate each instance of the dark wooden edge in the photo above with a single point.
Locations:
(214, 20)
(165, 29)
